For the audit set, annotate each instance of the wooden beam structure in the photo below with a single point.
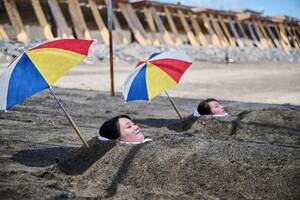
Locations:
(3, 34)
(190, 34)
(15, 20)
(200, 35)
(215, 40)
(148, 23)
(99, 21)
(60, 20)
(78, 20)
(42, 19)
(178, 40)
(160, 26)
(155, 35)
(134, 23)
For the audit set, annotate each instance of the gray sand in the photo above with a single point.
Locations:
(251, 154)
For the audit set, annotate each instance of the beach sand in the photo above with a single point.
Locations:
(251, 154)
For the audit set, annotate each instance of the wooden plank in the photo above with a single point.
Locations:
(235, 33)
(218, 30)
(178, 40)
(42, 19)
(276, 42)
(293, 39)
(77, 18)
(152, 27)
(15, 20)
(296, 38)
(253, 36)
(215, 40)
(227, 33)
(166, 36)
(269, 41)
(198, 31)
(260, 35)
(247, 40)
(136, 32)
(187, 29)
(3, 34)
(283, 35)
(280, 39)
(59, 19)
(137, 22)
(100, 24)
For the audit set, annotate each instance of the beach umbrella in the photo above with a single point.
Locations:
(152, 76)
(38, 68)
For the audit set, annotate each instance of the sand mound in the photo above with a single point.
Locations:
(251, 154)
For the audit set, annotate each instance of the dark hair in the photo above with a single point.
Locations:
(111, 128)
(203, 107)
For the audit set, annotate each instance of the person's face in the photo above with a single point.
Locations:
(129, 132)
(216, 108)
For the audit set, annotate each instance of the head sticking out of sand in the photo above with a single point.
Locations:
(210, 107)
(121, 128)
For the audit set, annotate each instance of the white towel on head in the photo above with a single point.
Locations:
(103, 138)
(196, 113)
(144, 141)
(223, 115)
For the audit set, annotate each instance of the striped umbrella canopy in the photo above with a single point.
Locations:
(38, 69)
(154, 75)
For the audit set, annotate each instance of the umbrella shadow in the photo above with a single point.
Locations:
(42, 157)
(83, 158)
(122, 172)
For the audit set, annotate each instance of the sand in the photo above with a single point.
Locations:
(251, 154)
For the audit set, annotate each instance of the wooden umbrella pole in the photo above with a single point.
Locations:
(173, 104)
(70, 120)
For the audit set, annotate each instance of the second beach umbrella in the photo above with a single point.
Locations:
(154, 75)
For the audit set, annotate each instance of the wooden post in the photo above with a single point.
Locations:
(165, 34)
(15, 20)
(187, 29)
(100, 24)
(77, 18)
(252, 33)
(70, 120)
(3, 35)
(42, 19)
(140, 37)
(230, 39)
(245, 37)
(283, 35)
(265, 35)
(215, 40)
(59, 19)
(235, 33)
(198, 31)
(276, 42)
(151, 25)
(260, 35)
(178, 40)
(218, 30)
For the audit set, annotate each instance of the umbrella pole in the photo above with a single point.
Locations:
(173, 104)
(70, 120)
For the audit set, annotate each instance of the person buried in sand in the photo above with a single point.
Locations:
(122, 129)
(210, 107)
(206, 107)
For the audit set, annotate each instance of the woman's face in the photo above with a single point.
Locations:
(129, 132)
(216, 108)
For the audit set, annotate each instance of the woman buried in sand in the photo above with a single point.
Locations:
(122, 129)
(210, 107)
(207, 107)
